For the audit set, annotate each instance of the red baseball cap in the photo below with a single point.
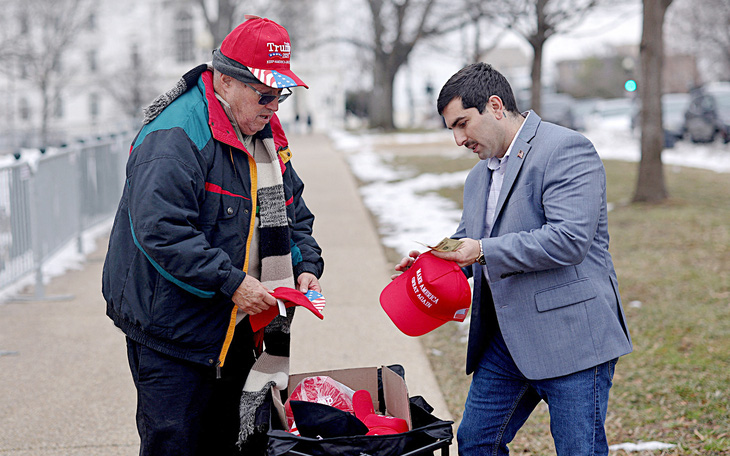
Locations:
(263, 47)
(362, 404)
(432, 292)
(291, 297)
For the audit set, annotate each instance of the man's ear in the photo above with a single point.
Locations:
(495, 105)
(221, 82)
(226, 80)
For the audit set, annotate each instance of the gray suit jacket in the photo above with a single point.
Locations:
(553, 286)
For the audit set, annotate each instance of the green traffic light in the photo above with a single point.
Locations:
(630, 85)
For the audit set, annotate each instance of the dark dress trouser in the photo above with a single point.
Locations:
(182, 409)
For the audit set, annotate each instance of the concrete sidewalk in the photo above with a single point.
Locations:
(66, 387)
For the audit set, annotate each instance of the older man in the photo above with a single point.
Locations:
(211, 221)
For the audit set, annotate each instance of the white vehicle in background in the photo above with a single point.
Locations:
(612, 113)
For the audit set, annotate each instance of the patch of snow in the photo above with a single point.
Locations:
(409, 209)
(641, 446)
(66, 259)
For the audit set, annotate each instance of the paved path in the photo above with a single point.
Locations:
(66, 390)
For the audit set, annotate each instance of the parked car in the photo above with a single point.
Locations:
(613, 107)
(558, 109)
(612, 114)
(582, 109)
(555, 107)
(708, 113)
(674, 105)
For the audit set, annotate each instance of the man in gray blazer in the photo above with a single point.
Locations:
(546, 316)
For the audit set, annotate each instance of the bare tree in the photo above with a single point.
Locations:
(478, 17)
(47, 31)
(650, 186)
(220, 17)
(298, 17)
(702, 29)
(536, 21)
(128, 89)
(397, 26)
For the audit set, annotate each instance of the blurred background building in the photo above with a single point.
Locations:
(75, 70)
(79, 69)
(606, 76)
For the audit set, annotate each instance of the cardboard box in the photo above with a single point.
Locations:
(395, 392)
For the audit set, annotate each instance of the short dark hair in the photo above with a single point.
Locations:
(474, 84)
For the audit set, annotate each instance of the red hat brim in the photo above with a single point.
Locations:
(278, 79)
(291, 297)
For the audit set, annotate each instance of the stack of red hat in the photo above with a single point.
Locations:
(362, 402)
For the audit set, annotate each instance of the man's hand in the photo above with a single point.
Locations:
(308, 281)
(465, 255)
(252, 297)
(406, 263)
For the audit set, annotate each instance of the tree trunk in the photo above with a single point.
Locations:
(45, 109)
(220, 22)
(650, 186)
(381, 100)
(537, 41)
(536, 75)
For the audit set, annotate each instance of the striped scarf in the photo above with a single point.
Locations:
(272, 367)
(274, 237)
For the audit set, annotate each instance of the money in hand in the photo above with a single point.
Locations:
(446, 245)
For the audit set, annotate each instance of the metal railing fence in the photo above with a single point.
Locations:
(49, 198)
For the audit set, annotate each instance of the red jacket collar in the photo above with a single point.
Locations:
(221, 127)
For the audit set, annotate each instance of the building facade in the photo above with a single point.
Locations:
(79, 77)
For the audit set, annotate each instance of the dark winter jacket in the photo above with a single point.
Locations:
(177, 250)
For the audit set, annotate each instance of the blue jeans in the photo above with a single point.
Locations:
(501, 399)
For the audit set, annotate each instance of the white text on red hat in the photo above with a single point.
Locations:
(422, 293)
(282, 51)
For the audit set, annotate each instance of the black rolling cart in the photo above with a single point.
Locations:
(428, 433)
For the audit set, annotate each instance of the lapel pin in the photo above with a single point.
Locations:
(520, 154)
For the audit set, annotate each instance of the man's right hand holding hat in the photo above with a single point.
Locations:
(467, 254)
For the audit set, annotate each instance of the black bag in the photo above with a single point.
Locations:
(424, 438)
(428, 434)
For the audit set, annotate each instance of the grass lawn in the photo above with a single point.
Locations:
(673, 265)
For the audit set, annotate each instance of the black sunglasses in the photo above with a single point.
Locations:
(266, 98)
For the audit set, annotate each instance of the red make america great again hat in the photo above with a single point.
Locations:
(262, 46)
(432, 292)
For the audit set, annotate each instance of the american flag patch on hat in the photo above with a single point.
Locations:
(316, 298)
